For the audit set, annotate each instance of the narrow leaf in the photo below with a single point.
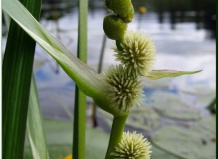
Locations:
(157, 74)
(16, 77)
(85, 77)
(35, 127)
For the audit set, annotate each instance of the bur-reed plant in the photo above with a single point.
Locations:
(117, 90)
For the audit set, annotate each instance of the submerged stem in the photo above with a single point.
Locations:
(116, 134)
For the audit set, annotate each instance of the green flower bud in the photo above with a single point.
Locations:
(137, 52)
(114, 27)
(126, 90)
(123, 8)
(132, 146)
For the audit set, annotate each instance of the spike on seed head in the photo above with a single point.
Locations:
(132, 146)
(126, 89)
(136, 51)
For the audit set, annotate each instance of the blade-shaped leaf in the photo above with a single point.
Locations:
(35, 126)
(157, 74)
(16, 77)
(85, 77)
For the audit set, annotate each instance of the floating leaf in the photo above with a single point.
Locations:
(59, 141)
(185, 143)
(143, 118)
(140, 118)
(172, 106)
(160, 154)
(157, 74)
(206, 126)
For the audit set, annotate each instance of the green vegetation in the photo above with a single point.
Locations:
(116, 91)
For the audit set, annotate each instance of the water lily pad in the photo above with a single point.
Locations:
(171, 105)
(206, 127)
(205, 100)
(143, 118)
(59, 139)
(187, 143)
(160, 154)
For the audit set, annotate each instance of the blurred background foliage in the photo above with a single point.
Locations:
(203, 13)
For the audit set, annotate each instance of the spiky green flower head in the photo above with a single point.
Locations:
(136, 51)
(132, 146)
(122, 8)
(114, 27)
(126, 90)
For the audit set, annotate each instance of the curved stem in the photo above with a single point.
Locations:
(116, 134)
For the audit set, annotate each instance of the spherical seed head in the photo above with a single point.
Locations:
(132, 146)
(126, 90)
(136, 51)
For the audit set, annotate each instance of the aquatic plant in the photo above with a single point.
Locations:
(116, 91)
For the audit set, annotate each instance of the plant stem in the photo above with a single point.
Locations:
(80, 98)
(16, 76)
(116, 134)
(94, 106)
(102, 54)
(94, 117)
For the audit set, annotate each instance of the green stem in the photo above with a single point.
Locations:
(116, 134)
(16, 76)
(79, 128)
(80, 98)
(102, 54)
(94, 118)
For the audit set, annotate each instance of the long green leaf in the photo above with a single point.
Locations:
(80, 98)
(85, 77)
(35, 127)
(157, 74)
(88, 80)
(16, 76)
